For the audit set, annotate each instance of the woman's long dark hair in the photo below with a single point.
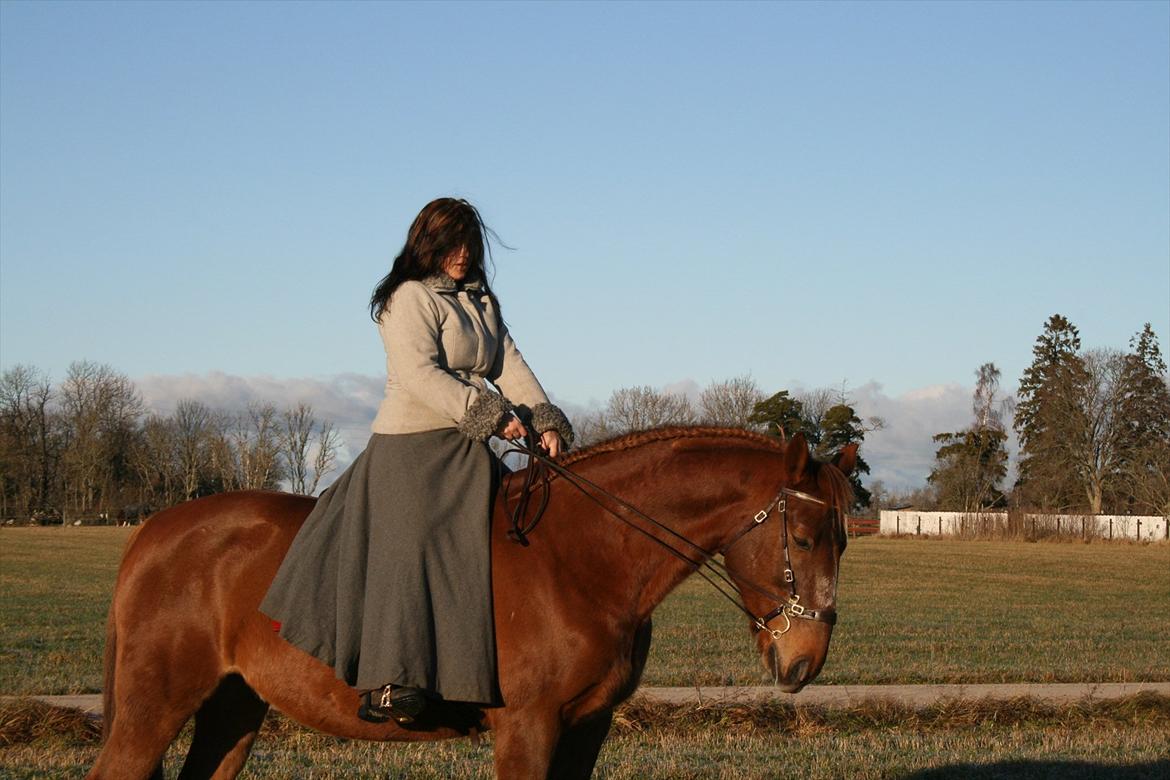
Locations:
(443, 226)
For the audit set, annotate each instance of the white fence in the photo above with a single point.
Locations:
(1146, 528)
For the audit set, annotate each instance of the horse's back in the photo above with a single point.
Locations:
(211, 557)
(220, 524)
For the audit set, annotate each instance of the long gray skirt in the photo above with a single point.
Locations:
(389, 579)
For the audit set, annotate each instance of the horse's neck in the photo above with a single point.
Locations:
(705, 498)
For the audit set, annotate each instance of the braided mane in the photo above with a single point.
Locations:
(836, 484)
(638, 438)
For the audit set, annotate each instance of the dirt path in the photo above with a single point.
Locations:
(830, 695)
(910, 695)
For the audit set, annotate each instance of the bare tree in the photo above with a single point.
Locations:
(1095, 436)
(222, 452)
(295, 435)
(194, 440)
(639, 408)
(257, 447)
(816, 403)
(303, 440)
(29, 446)
(730, 403)
(1148, 480)
(1082, 439)
(632, 409)
(157, 459)
(590, 428)
(325, 460)
(101, 411)
(987, 404)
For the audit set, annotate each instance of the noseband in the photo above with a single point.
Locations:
(791, 608)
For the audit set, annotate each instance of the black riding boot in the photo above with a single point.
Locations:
(402, 705)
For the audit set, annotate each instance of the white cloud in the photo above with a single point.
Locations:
(349, 401)
(688, 388)
(902, 454)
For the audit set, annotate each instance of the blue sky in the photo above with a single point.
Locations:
(813, 193)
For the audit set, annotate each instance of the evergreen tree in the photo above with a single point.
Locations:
(1146, 399)
(841, 426)
(1145, 421)
(1044, 394)
(783, 417)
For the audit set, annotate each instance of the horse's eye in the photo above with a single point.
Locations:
(803, 544)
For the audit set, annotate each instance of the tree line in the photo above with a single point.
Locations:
(87, 448)
(824, 415)
(1093, 429)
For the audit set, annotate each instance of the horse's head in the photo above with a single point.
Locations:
(787, 567)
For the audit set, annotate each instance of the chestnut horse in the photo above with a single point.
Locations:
(572, 607)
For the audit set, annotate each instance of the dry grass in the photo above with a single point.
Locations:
(1015, 739)
(639, 715)
(24, 721)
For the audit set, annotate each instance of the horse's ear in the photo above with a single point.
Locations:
(797, 456)
(846, 459)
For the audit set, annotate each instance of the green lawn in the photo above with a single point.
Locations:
(55, 587)
(933, 611)
(913, 611)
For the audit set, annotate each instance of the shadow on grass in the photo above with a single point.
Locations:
(1032, 770)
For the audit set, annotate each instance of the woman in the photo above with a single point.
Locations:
(389, 578)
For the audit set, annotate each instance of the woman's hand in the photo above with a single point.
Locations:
(511, 428)
(552, 443)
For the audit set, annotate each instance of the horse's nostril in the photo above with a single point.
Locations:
(797, 674)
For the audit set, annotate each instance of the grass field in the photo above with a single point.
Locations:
(1122, 739)
(912, 611)
(919, 611)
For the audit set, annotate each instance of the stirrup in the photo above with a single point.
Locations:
(400, 704)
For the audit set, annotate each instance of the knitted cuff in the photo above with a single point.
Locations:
(549, 417)
(484, 416)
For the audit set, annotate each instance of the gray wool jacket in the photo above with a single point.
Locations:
(442, 341)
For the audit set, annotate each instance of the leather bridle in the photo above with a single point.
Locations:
(787, 607)
(791, 606)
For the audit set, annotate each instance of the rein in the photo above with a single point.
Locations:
(787, 607)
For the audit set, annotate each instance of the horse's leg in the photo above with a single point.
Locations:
(525, 742)
(154, 695)
(578, 747)
(225, 728)
(138, 740)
